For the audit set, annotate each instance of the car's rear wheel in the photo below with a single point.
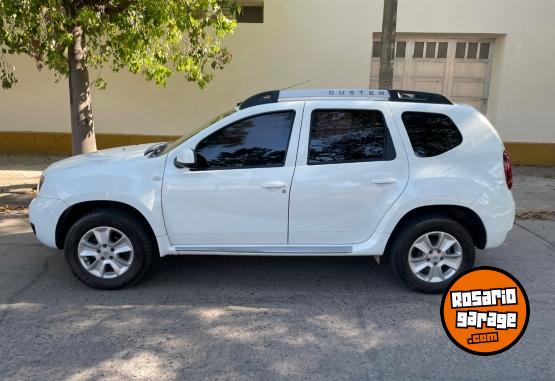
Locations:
(109, 249)
(431, 251)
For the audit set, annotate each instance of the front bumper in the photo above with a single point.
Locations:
(44, 214)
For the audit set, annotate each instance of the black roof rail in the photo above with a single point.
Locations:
(274, 96)
(260, 99)
(417, 96)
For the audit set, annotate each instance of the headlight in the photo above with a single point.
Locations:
(41, 181)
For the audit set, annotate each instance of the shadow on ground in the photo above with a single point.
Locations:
(252, 318)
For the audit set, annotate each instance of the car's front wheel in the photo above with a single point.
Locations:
(109, 249)
(431, 251)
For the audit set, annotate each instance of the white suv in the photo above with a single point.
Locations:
(401, 174)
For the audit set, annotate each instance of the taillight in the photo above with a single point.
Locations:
(507, 166)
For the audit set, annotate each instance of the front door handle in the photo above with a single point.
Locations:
(386, 180)
(274, 184)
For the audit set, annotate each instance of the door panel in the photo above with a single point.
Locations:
(227, 207)
(233, 206)
(343, 203)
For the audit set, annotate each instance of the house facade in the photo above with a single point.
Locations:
(496, 55)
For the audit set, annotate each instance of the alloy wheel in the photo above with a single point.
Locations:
(105, 252)
(435, 257)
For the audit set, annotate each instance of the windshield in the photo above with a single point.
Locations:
(171, 146)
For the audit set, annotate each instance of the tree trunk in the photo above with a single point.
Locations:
(389, 26)
(82, 126)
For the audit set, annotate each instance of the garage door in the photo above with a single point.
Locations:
(457, 68)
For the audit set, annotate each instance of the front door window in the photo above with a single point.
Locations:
(259, 141)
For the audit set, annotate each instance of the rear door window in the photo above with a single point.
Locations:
(348, 136)
(431, 134)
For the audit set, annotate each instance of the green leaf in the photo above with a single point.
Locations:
(153, 38)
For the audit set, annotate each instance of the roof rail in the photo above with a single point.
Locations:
(417, 96)
(260, 99)
(275, 96)
(366, 94)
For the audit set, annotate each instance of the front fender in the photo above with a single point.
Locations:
(137, 184)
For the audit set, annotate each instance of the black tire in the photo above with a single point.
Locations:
(410, 232)
(143, 247)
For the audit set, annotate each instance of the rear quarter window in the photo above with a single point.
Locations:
(431, 134)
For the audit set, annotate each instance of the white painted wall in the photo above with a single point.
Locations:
(328, 42)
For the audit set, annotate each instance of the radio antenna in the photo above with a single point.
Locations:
(296, 84)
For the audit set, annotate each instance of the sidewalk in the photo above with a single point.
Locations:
(19, 176)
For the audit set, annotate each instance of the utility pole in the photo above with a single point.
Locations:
(389, 26)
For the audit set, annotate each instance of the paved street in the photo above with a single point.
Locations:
(262, 318)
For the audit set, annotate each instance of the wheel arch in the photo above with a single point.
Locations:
(463, 215)
(76, 211)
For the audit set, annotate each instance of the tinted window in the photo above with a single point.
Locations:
(251, 14)
(376, 49)
(401, 49)
(431, 134)
(338, 136)
(418, 50)
(442, 50)
(259, 141)
(484, 50)
(461, 50)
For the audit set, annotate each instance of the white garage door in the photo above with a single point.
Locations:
(457, 68)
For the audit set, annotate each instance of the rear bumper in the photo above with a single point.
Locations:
(44, 214)
(497, 212)
(496, 238)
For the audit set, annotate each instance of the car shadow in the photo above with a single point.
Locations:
(215, 317)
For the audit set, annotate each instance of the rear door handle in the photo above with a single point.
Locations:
(386, 180)
(274, 184)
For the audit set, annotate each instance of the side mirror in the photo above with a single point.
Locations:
(186, 158)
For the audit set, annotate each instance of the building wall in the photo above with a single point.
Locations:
(325, 41)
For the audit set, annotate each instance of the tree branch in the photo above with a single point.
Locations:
(103, 5)
(70, 11)
(122, 6)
